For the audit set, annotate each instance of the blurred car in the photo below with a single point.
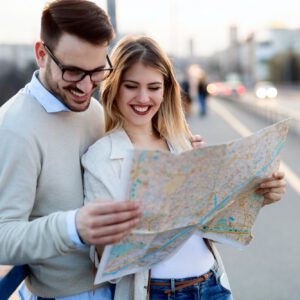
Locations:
(265, 90)
(218, 89)
(226, 88)
(234, 82)
(236, 88)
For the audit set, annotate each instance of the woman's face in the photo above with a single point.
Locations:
(140, 95)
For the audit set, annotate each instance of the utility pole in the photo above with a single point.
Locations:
(111, 9)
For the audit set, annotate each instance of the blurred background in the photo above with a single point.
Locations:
(250, 41)
(239, 66)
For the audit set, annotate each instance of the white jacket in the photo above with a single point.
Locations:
(102, 176)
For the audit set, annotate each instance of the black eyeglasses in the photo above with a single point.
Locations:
(74, 74)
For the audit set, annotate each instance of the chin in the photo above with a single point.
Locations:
(79, 108)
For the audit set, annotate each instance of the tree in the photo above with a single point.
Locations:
(285, 67)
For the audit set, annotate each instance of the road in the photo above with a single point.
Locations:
(268, 267)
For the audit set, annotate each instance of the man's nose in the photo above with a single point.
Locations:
(85, 84)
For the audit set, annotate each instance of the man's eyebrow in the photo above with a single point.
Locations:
(80, 69)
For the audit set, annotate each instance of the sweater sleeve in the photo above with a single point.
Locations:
(24, 240)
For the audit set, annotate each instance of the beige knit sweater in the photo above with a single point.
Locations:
(40, 181)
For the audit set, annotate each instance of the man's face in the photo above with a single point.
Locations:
(75, 53)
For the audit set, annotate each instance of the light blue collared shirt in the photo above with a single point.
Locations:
(52, 105)
(49, 102)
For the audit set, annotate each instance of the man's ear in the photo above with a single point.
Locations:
(40, 54)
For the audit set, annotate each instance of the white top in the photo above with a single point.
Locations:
(192, 259)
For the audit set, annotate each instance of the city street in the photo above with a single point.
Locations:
(268, 267)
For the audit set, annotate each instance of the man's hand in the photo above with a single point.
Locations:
(106, 222)
(272, 188)
(197, 141)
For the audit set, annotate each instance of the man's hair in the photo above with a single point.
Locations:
(169, 121)
(81, 18)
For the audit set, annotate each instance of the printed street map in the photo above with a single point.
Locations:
(210, 191)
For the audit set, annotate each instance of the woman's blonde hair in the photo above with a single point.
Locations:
(170, 120)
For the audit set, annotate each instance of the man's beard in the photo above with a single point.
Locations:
(58, 91)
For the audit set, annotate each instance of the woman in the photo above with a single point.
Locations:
(142, 105)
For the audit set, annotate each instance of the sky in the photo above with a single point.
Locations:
(173, 23)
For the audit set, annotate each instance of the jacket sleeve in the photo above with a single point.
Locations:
(94, 188)
(96, 176)
(24, 239)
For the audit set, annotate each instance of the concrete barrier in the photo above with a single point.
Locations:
(269, 109)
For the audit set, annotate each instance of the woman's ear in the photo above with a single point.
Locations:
(40, 54)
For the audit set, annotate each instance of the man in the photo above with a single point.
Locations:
(44, 130)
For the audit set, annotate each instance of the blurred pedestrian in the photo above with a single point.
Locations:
(202, 93)
(186, 96)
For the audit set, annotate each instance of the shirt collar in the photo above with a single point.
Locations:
(36, 89)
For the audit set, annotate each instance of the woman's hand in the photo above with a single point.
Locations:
(272, 188)
(197, 141)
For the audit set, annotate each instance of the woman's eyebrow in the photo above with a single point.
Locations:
(137, 82)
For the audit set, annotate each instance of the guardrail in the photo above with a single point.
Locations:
(269, 109)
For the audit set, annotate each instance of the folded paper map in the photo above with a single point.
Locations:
(210, 191)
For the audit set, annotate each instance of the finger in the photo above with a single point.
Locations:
(197, 145)
(116, 229)
(113, 232)
(109, 207)
(278, 175)
(280, 191)
(108, 240)
(272, 197)
(275, 176)
(112, 219)
(273, 184)
(196, 138)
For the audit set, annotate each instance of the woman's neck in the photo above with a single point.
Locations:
(147, 138)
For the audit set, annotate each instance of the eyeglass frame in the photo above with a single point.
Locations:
(85, 72)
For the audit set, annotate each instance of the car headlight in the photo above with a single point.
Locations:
(272, 92)
(261, 93)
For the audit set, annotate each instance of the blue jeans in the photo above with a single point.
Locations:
(12, 279)
(202, 104)
(105, 293)
(211, 289)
